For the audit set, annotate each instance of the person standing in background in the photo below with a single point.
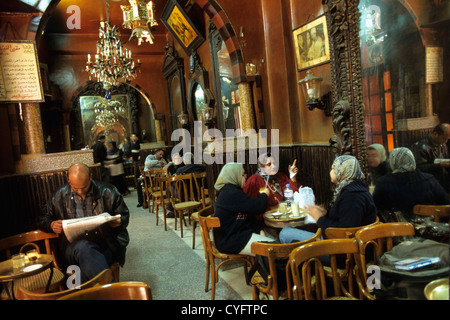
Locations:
(100, 156)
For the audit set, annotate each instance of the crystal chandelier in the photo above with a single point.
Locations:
(107, 112)
(139, 17)
(113, 63)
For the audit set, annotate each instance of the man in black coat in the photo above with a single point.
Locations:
(82, 197)
(432, 156)
(100, 156)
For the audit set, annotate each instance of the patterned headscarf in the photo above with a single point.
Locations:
(231, 173)
(402, 160)
(379, 149)
(347, 169)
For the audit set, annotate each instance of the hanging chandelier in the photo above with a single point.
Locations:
(113, 63)
(139, 17)
(107, 112)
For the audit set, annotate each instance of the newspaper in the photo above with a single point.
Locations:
(75, 227)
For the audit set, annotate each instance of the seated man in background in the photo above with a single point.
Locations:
(189, 166)
(155, 161)
(433, 147)
(82, 197)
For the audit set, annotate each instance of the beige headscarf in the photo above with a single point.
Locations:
(380, 150)
(231, 173)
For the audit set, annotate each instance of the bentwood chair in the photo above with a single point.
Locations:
(104, 277)
(206, 201)
(182, 198)
(207, 223)
(435, 211)
(274, 251)
(311, 280)
(347, 233)
(113, 291)
(156, 191)
(21, 243)
(378, 239)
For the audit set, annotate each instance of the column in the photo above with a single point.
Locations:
(245, 98)
(34, 137)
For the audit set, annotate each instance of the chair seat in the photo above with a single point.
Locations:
(187, 205)
(37, 282)
(158, 193)
(194, 216)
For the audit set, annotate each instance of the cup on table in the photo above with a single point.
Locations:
(282, 207)
(295, 209)
(18, 261)
(32, 255)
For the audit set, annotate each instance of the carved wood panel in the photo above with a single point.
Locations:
(348, 110)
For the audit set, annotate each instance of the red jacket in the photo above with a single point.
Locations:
(255, 182)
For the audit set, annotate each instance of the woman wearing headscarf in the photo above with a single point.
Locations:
(236, 211)
(268, 176)
(353, 204)
(377, 162)
(406, 186)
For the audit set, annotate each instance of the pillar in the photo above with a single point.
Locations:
(34, 137)
(245, 98)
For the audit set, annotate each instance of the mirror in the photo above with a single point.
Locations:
(200, 96)
(395, 92)
(199, 101)
(173, 70)
(228, 107)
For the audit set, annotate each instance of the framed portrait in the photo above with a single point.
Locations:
(311, 43)
(181, 27)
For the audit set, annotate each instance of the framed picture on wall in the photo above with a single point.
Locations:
(311, 43)
(181, 27)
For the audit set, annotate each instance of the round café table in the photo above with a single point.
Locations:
(286, 220)
(9, 274)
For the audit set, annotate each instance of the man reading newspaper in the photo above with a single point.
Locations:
(93, 249)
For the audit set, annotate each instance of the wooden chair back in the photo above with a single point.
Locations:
(104, 277)
(199, 183)
(378, 239)
(435, 211)
(32, 238)
(181, 188)
(306, 263)
(207, 223)
(154, 176)
(345, 233)
(113, 291)
(275, 251)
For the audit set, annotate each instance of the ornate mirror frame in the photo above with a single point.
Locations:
(96, 89)
(198, 76)
(173, 69)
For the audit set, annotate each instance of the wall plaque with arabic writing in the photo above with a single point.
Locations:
(20, 79)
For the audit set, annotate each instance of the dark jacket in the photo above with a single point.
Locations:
(236, 211)
(425, 152)
(99, 152)
(190, 168)
(353, 207)
(401, 191)
(376, 173)
(61, 206)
